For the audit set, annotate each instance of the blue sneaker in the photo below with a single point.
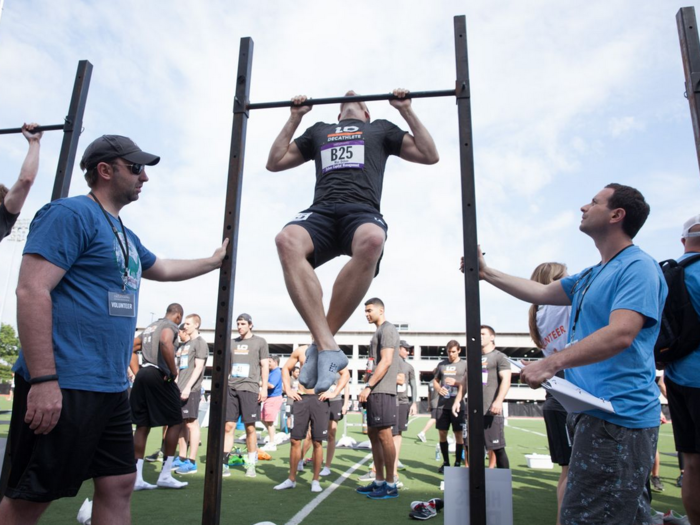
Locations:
(309, 372)
(177, 462)
(188, 467)
(384, 492)
(367, 488)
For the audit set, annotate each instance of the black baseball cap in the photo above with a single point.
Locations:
(405, 344)
(108, 147)
(246, 318)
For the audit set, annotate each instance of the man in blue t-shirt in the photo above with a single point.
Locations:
(77, 302)
(683, 385)
(616, 308)
(344, 219)
(273, 403)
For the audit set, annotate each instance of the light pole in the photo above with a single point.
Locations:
(17, 236)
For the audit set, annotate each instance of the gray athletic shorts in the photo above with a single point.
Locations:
(608, 472)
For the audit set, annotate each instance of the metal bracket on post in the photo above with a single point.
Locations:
(211, 510)
(71, 130)
(690, 51)
(475, 418)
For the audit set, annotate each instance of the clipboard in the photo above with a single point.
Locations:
(571, 397)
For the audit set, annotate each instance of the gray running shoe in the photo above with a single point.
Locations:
(370, 476)
(673, 518)
(656, 484)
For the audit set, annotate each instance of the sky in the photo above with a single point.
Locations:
(566, 98)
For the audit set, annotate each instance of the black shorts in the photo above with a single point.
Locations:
(557, 436)
(190, 410)
(336, 409)
(93, 438)
(310, 411)
(494, 437)
(242, 403)
(401, 420)
(154, 401)
(332, 227)
(382, 410)
(444, 418)
(684, 404)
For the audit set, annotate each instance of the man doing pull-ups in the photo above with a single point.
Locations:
(344, 218)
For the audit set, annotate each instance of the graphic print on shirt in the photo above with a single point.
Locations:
(133, 275)
(345, 149)
(240, 370)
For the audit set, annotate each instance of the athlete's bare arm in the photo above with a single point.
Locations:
(417, 146)
(284, 153)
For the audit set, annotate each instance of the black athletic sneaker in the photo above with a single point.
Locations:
(156, 456)
(441, 470)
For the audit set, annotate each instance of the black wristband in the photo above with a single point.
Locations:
(43, 379)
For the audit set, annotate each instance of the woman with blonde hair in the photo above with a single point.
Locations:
(549, 328)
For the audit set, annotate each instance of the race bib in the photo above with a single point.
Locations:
(183, 361)
(484, 371)
(240, 370)
(343, 155)
(400, 388)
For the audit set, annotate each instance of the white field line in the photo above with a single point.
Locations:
(529, 431)
(310, 506)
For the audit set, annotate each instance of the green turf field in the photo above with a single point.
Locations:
(248, 501)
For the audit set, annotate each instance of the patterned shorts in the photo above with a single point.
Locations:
(608, 473)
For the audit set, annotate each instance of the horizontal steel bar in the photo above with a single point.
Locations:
(355, 98)
(52, 127)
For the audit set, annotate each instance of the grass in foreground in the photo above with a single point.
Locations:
(252, 500)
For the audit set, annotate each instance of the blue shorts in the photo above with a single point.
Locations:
(332, 227)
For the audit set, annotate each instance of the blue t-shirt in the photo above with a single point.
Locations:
(91, 348)
(630, 281)
(685, 371)
(275, 378)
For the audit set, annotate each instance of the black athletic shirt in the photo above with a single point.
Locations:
(7, 221)
(350, 159)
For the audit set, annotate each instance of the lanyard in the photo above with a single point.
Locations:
(585, 290)
(125, 250)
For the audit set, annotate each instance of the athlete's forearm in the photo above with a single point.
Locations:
(14, 200)
(414, 388)
(503, 387)
(379, 373)
(421, 136)
(198, 367)
(280, 146)
(167, 350)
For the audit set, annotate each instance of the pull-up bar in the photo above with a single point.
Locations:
(72, 127)
(38, 129)
(353, 98)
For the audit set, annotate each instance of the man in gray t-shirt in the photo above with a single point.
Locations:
(495, 378)
(247, 388)
(379, 395)
(193, 358)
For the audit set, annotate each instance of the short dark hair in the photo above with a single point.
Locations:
(632, 201)
(275, 358)
(452, 343)
(174, 308)
(490, 329)
(4, 190)
(376, 301)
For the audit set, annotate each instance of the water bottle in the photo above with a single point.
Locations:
(464, 432)
(437, 452)
(370, 365)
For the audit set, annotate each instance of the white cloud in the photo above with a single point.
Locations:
(551, 82)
